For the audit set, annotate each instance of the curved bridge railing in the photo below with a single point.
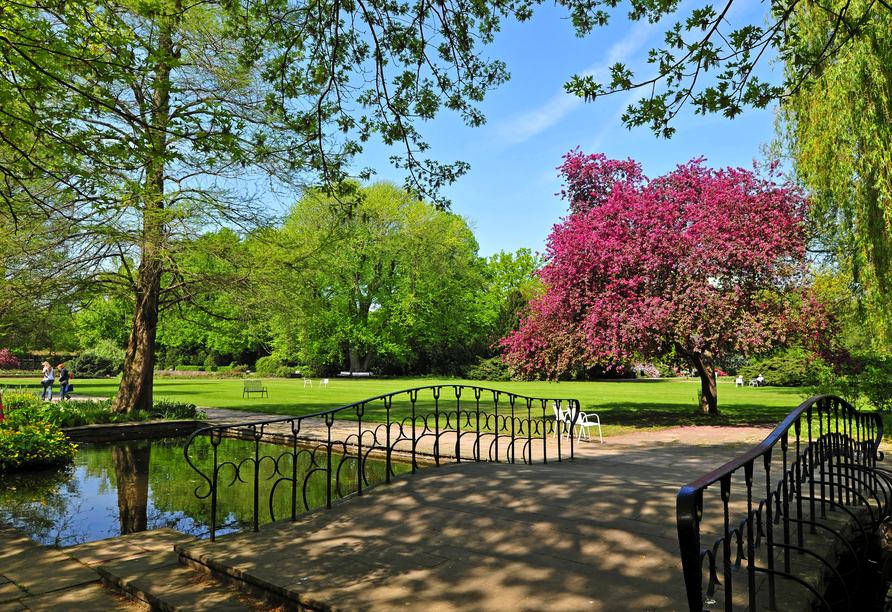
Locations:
(805, 501)
(347, 449)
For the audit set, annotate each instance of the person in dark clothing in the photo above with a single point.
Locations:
(64, 377)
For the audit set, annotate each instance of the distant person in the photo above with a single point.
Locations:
(739, 381)
(64, 378)
(760, 381)
(48, 380)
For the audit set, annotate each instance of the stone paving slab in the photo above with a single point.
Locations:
(474, 537)
(92, 598)
(128, 546)
(160, 581)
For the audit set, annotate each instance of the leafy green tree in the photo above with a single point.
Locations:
(838, 130)
(136, 126)
(512, 283)
(394, 276)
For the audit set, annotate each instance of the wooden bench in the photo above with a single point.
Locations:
(355, 375)
(254, 386)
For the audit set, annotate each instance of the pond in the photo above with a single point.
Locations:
(117, 488)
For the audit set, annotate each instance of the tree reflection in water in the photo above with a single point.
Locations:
(131, 463)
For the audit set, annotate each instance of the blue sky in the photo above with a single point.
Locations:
(531, 123)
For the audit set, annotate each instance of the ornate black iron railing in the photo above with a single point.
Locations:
(426, 425)
(828, 498)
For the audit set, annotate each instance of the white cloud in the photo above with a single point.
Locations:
(526, 125)
(532, 122)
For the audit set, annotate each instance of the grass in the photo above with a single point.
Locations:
(623, 406)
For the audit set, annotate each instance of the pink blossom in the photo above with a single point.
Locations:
(697, 260)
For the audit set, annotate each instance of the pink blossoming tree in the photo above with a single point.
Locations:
(695, 263)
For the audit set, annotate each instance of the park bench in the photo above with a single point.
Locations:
(254, 386)
(355, 375)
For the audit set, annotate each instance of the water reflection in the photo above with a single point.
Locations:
(132, 473)
(125, 487)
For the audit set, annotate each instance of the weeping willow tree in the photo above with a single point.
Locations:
(838, 128)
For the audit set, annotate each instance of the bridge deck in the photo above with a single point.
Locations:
(598, 533)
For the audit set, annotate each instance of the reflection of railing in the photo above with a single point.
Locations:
(416, 425)
(829, 499)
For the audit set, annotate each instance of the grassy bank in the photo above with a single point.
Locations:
(623, 406)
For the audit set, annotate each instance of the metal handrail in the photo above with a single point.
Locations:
(513, 423)
(829, 466)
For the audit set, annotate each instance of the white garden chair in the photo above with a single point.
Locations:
(560, 420)
(308, 381)
(323, 383)
(584, 421)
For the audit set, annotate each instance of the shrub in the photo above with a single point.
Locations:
(33, 445)
(731, 363)
(239, 369)
(285, 372)
(789, 369)
(111, 351)
(268, 365)
(8, 361)
(165, 408)
(493, 369)
(74, 413)
(89, 365)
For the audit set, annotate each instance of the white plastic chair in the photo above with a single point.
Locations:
(560, 420)
(584, 422)
(323, 383)
(308, 381)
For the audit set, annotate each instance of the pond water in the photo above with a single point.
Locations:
(117, 488)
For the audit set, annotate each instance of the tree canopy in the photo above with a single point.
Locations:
(393, 278)
(708, 62)
(691, 264)
(837, 128)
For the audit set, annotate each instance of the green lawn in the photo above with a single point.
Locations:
(623, 406)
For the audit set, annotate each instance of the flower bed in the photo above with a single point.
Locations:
(33, 445)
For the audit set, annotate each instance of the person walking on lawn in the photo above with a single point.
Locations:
(64, 378)
(48, 380)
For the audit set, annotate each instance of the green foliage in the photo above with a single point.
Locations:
(33, 445)
(393, 280)
(89, 365)
(188, 368)
(268, 365)
(866, 384)
(26, 409)
(493, 369)
(165, 408)
(836, 126)
(284, 372)
(732, 363)
(788, 369)
(875, 382)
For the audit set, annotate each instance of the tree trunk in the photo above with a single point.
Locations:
(709, 401)
(135, 391)
(359, 362)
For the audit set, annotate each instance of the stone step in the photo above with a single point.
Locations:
(161, 583)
